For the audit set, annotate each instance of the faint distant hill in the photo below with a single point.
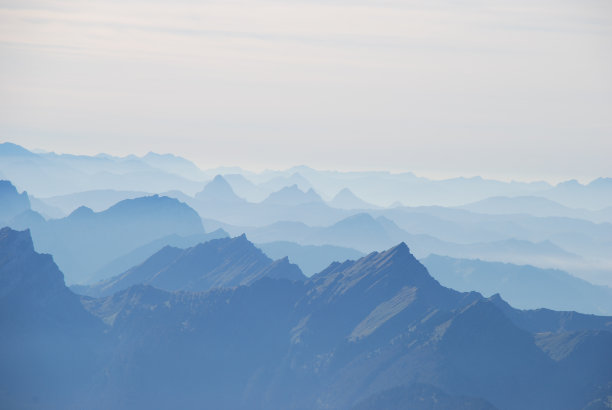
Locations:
(594, 196)
(310, 258)
(98, 200)
(279, 182)
(85, 241)
(589, 240)
(12, 203)
(51, 174)
(359, 332)
(174, 164)
(219, 263)
(218, 201)
(365, 233)
(292, 195)
(245, 188)
(524, 286)
(346, 199)
(46, 210)
(530, 205)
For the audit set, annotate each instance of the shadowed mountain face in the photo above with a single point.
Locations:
(225, 262)
(420, 397)
(12, 203)
(353, 335)
(85, 241)
(310, 258)
(48, 341)
(142, 253)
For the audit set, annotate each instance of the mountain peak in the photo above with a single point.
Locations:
(346, 199)
(12, 241)
(81, 211)
(283, 269)
(14, 150)
(388, 271)
(293, 195)
(13, 203)
(401, 247)
(218, 190)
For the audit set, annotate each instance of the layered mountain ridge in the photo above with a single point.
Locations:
(348, 335)
(224, 262)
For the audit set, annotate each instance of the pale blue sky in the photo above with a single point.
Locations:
(509, 88)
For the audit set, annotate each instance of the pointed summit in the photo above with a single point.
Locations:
(346, 199)
(12, 203)
(218, 190)
(12, 242)
(389, 271)
(219, 263)
(81, 212)
(283, 269)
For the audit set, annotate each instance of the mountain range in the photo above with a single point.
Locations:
(85, 241)
(355, 335)
(524, 286)
(224, 262)
(50, 174)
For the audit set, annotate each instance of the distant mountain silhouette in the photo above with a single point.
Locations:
(292, 195)
(245, 188)
(8, 149)
(310, 258)
(346, 199)
(85, 241)
(12, 203)
(358, 333)
(524, 286)
(536, 206)
(51, 174)
(531, 205)
(594, 196)
(97, 200)
(365, 233)
(174, 165)
(218, 190)
(279, 182)
(225, 262)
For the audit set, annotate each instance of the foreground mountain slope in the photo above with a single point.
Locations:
(13, 203)
(350, 333)
(420, 397)
(47, 340)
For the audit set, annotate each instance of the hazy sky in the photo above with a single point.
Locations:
(507, 88)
